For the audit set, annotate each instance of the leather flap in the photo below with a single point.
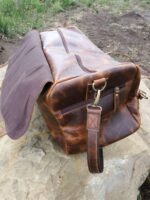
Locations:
(27, 73)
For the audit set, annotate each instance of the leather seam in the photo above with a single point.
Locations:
(45, 56)
(135, 77)
(132, 114)
(63, 80)
(63, 40)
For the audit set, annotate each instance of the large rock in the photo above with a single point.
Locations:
(35, 168)
(3, 69)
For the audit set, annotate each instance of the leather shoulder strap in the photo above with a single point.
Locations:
(94, 152)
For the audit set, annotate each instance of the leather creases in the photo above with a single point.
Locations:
(76, 123)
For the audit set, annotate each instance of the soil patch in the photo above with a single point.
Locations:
(7, 48)
(125, 37)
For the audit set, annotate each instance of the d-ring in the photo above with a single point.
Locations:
(93, 87)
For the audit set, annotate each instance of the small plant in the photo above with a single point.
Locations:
(16, 16)
(67, 3)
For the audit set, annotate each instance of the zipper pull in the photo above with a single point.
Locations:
(116, 98)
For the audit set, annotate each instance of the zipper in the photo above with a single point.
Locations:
(82, 104)
(77, 57)
(75, 107)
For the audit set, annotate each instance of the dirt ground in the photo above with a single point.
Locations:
(7, 47)
(125, 37)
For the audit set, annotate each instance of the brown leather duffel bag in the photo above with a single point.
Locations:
(93, 99)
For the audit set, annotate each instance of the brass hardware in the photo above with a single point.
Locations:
(98, 93)
(97, 98)
(93, 87)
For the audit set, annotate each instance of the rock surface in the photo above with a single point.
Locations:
(35, 168)
(3, 69)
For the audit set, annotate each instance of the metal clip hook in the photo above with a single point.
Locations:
(97, 98)
(98, 93)
(93, 86)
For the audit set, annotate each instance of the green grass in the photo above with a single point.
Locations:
(19, 16)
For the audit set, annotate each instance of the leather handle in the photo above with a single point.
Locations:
(94, 151)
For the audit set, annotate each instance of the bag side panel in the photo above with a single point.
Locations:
(74, 65)
(115, 125)
(51, 121)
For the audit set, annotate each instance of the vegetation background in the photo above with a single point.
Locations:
(19, 16)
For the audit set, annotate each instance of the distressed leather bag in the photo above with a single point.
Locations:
(93, 99)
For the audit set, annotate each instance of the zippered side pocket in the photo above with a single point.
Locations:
(107, 102)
